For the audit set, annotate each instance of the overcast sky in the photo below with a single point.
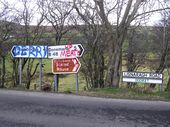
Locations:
(154, 18)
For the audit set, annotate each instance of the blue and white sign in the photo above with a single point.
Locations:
(29, 51)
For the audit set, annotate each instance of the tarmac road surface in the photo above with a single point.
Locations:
(35, 109)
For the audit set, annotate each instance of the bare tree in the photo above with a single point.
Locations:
(161, 37)
(95, 36)
(6, 30)
(57, 13)
(138, 46)
(28, 35)
(124, 13)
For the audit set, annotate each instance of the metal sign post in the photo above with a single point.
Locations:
(161, 87)
(40, 75)
(77, 84)
(29, 51)
(55, 83)
(20, 71)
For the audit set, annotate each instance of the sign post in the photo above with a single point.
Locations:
(77, 84)
(29, 51)
(20, 71)
(55, 83)
(40, 75)
(63, 52)
(64, 59)
(65, 66)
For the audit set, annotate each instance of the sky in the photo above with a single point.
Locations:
(154, 18)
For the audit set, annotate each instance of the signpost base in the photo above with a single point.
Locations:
(40, 75)
(20, 71)
(77, 84)
(56, 82)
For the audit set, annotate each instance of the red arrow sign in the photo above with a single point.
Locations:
(65, 66)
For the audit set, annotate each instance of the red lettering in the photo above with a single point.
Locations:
(73, 52)
(78, 52)
(67, 53)
(69, 46)
(62, 53)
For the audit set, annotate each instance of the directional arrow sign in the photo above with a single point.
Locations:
(65, 51)
(65, 66)
(29, 51)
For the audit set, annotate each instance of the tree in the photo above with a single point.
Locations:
(125, 13)
(6, 30)
(136, 50)
(162, 30)
(94, 37)
(57, 13)
(28, 35)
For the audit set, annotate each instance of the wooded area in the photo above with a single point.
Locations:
(114, 34)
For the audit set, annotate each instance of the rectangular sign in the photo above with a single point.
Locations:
(65, 66)
(29, 51)
(65, 51)
(143, 77)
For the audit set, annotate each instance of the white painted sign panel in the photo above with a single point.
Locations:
(65, 51)
(143, 77)
(29, 51)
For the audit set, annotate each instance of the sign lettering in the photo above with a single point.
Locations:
(26, 51)
(143, 77)
(65, 51)
(65, 66)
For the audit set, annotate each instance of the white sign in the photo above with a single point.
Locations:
(65, 51)
(29, 51)
(143, 77)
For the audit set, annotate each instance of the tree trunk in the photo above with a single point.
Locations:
(15, 74)
(168, 85)
(101, 71)
(3, 71)
(112, 77)
(116, 73)
(28, 82)
(28, 76)
(30, 72)
(161, 67)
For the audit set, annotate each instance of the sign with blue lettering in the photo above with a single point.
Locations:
(29, 51)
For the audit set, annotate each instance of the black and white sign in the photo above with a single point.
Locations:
(65, 51)
(143, 77)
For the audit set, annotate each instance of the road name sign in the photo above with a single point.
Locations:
(65, 51)
(143, 77)
(65, 66)
(29, 51)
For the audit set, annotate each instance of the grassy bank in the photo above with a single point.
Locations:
(124, 93)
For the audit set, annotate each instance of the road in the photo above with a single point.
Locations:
(35, 109)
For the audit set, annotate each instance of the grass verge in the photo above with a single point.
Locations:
(124, 93)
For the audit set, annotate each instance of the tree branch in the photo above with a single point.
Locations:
(156, 10)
